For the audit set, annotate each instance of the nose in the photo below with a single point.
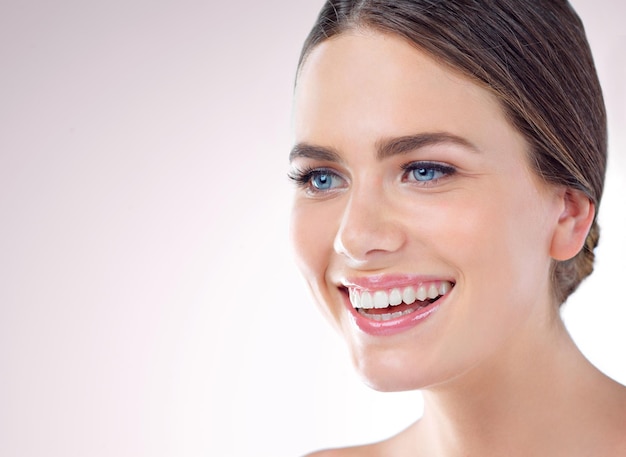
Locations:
(368, 230)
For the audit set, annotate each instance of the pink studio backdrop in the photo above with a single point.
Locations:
(149, 305)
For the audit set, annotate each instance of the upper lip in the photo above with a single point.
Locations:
(389, 281)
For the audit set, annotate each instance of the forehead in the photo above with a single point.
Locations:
(373, 84)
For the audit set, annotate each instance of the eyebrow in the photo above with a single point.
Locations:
(406, 144)
(314, 152)
(385, 148)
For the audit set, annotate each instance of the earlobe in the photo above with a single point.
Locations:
(573, 225)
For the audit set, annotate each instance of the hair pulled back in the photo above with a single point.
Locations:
(534, 57)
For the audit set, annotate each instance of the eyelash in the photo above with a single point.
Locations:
(443, 169)
(303, 177)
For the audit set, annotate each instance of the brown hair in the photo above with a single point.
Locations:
(534, 56)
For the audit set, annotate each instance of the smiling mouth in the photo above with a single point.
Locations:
(384, 305)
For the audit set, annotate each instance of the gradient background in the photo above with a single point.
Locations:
(149, 305)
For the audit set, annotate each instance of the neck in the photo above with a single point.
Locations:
(516, 403)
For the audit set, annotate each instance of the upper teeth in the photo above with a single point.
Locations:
(396, 296)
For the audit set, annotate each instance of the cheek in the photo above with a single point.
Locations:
(312, 240)
(502, 239)
(312, 234)
(507, 251)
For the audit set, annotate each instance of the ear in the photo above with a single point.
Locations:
(573, 225)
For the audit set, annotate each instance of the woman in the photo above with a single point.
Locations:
(449, 162)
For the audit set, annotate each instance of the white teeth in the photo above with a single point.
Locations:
(408, 295)
(395, 297)
(433, 291)
(386, 316)
(366, 300)
(421, 293)
(382, 299)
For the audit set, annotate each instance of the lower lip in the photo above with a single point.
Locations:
(393, 326)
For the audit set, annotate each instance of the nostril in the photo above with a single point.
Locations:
(360, 244)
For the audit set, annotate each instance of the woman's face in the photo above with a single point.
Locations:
(417, 223)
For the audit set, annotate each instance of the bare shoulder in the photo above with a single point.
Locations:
(386, 448)
(619, 422)
(369, 450)
(394, 445)
(326, 453)
(608, 419)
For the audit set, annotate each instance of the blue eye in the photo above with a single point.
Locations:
(427, 172)
(317, 180)
(322, 180)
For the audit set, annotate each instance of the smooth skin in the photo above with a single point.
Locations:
(499, 373)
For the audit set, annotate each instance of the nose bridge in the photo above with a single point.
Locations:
(368, 227)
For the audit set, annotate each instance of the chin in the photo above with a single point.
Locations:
(390, 382)
(388, 374)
